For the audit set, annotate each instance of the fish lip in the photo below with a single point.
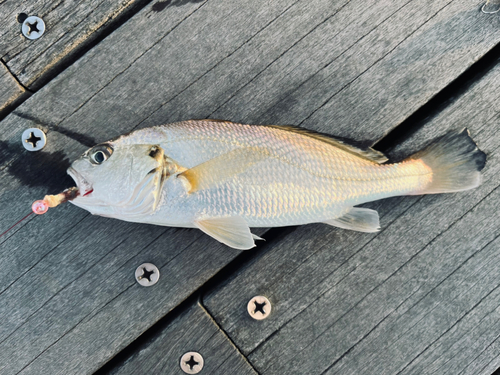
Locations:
(84, 187)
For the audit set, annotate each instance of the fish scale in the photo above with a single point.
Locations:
(330, 178)
(224, 177)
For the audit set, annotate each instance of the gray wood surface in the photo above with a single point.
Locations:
(70, 302)
(70, 25)
(282, 62)
(194, 331)
(10, 90)
(420, 296)
(357, 74)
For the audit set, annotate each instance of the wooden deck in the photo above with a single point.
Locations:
(422, 296)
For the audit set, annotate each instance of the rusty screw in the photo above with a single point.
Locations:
(191, 363)
(33, 139)
(259, 307)
(147, 274)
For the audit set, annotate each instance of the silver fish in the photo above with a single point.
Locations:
(224, 178)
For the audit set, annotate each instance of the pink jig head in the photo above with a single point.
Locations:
(40, 207)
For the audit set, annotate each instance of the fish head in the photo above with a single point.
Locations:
(117, 178)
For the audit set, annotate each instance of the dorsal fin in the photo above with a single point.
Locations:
(365, 153)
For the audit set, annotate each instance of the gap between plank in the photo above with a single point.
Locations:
(24, 94)
(146, 338)
(200, 303)
(14, 77)
(403, 131)
(94, 39)
(439, 102)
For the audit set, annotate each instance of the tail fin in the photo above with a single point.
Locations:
(455, 161)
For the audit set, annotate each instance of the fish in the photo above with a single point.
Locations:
(225, 178)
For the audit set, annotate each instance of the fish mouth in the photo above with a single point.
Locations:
(84, 187)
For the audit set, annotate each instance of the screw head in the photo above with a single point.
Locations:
(147, 274)
(33, 27)
(191, 363)
(259, 307)
(33, 139)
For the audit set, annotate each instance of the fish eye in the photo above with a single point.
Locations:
(100, 153)
(99, 157)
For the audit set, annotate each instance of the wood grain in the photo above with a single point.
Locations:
(421, 296)
(195, 331)
(195, 79)
(55, 327)
(72, 296)
(70, 301)
(357, 74)
(70, 26)
(11, 91)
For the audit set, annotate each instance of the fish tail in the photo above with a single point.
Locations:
(454, 161)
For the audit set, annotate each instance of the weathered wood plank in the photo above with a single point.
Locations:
(402, 54)
(79, 300)
(56, 267)
(197, 90)
(70, 26)
(71, 288)
(10, 89)
(176, 60)
(420, 296)
(61, 258)
(195, 331)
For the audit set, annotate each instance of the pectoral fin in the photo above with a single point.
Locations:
(358, 219)
(223, 167)
(232, 231)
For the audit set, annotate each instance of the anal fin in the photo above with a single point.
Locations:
(358, 219)
(255, 237)
(232, 231)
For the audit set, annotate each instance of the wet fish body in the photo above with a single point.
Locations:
(223, 177)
